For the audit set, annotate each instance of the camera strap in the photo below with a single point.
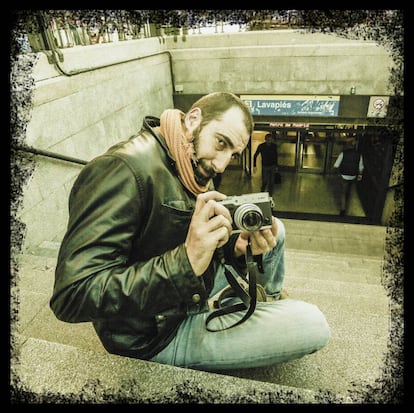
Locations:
(249, 297)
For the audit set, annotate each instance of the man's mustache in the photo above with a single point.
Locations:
(200, 164)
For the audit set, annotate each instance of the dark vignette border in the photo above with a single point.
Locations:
(377, 25)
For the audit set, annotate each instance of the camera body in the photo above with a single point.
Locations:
(250, 212)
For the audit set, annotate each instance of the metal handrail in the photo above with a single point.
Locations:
(49, 154)
(398, 184)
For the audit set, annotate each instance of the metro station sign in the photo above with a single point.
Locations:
(292, 105)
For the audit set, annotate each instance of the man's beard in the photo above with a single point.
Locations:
(200, 178)
(200, 164)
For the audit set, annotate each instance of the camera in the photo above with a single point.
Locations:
(250, 212)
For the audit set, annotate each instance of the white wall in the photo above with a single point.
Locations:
(280, 62)
(82, 115)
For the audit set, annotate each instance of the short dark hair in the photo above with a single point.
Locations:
(215, 104)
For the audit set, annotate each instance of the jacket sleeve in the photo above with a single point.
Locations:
(95, 279)
(256, 154)
(338, 160)
(361, 165)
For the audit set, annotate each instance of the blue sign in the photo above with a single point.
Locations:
(293, 105)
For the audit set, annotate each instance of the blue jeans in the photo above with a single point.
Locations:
(277, 331)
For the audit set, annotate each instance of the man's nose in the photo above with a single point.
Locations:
(221, 161)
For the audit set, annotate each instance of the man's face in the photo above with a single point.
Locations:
(217, 143)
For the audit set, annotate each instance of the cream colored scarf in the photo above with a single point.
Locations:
(181, 148)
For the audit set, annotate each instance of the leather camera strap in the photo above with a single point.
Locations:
(249, 298)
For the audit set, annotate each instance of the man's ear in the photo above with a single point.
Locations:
(192, 119)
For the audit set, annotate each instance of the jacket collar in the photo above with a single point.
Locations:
(151, 124)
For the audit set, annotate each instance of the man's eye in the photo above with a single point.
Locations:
(221, 143)
(235, 156)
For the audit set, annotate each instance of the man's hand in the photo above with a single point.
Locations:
(210, 228)
(260, 241)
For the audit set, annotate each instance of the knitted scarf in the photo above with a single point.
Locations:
(181, 147)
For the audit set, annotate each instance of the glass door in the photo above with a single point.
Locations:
(312, 151)
(301, 150)
(287, 143)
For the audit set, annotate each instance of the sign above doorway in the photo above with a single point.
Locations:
(292, 105)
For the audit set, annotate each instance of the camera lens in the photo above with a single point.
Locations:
(248, 217)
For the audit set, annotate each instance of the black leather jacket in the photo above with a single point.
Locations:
(122, 263)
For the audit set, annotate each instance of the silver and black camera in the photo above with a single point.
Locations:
(250, 212)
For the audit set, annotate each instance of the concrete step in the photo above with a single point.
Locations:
(335, 237)
(48, 372)
(333, 266)
(357, 312)
(348, 290)
(346, 286)
(343, 366)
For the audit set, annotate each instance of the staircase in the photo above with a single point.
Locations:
(337, 266)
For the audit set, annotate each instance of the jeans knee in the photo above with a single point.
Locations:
(281, 231)
(322, 330)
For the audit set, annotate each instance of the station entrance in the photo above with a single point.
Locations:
(310, 150)
(313, 149)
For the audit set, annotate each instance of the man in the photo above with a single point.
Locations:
(351, 167)
(268, 152)
(139, 259)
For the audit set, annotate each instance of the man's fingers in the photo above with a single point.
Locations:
(259, 241)
(269, 238)
(219, 221)
(213, 208)
(245, 235)
(203, 198)
(222, 235)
